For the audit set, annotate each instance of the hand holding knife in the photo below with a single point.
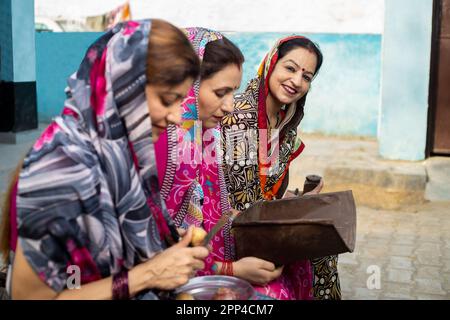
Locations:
(202, 238)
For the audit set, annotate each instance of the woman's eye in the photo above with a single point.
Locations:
(167, 102)
(307, 78)
(220, 94)
(291, 69)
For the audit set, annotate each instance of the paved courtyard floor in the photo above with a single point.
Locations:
(408, 249)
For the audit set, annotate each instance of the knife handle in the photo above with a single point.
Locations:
(311, 182)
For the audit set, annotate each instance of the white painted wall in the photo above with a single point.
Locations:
(307, 16)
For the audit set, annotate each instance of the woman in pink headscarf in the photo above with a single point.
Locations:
(191, 175)
(191, 179)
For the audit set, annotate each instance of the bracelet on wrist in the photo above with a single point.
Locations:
(120, 288)
(227, 268)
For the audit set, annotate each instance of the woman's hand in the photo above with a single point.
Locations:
(166, 271)
(181, 232)
(171, 268)
(256, 271)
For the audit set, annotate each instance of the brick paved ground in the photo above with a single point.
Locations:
(411, 247)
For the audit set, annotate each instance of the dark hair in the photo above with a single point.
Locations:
(219, 54)
(171, 59)
(306, 43)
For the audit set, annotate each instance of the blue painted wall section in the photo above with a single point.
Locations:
(17, 68)
(17, 41)
(23, 40)
(6, 48)
(58, 55)
(344, 99)
(405, 79)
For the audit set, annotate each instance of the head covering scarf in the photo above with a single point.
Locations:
(88, 191)
(193, 184)
(252, 173)
(249, 174)
(251, 177)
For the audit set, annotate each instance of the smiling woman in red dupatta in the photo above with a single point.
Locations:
(257, 168)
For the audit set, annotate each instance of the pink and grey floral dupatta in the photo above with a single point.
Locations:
(191, 178)
(88, 192)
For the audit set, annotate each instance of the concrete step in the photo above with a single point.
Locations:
(381, 186)
(354, 164)
(16, 138)
(438, 172)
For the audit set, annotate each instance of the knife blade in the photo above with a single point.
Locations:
(222, 221)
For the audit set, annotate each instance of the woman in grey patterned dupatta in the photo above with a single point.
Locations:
(86, 208)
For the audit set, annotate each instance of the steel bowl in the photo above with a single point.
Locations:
(206, 287)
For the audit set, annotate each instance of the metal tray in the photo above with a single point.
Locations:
(204, 288)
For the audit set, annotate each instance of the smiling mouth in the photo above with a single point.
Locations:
(291, 91)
